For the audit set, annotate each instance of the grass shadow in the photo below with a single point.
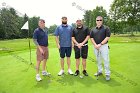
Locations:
(71, 80)
(44, 83)
(66, 80)
(112, 82)
(86, 80)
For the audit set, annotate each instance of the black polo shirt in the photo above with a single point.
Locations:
(80, 34)
(99, 34)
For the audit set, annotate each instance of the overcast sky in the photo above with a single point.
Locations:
(53, 10)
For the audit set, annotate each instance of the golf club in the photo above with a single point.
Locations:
(97, 76)
(81, 76)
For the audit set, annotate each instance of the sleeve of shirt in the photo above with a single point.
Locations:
(88, 32)
(35, 38)
(91, 34)
(35, 34)
(73, 35)
(108, 33)
(71, 30)
(56, 33)
(35, 42)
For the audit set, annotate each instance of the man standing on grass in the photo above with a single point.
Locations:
(64, 43)
(99, 38)
(80, 38)
(40, 38)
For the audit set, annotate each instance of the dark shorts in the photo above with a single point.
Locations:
(83, 52)
(65, 51)
(41, 57)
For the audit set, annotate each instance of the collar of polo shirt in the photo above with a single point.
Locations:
(79, 27)
(64, 25)
(99, 27)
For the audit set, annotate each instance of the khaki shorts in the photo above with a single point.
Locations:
(41, 57)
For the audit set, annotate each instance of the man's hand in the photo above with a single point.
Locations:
(80, 45)
(58, 46)
(97, 46)
(57, 42)
(41, 50)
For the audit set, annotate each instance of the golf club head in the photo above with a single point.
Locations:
(97, 77)
(62, 75)
(49, 75)
(81, 76)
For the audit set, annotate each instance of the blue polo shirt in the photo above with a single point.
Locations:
(41, 36)
(65, 34)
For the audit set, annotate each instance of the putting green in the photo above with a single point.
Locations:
(15, 77)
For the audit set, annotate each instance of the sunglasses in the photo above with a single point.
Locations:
(98, 20)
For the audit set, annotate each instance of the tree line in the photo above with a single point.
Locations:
(123, 17)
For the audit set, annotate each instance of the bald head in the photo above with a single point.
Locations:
(79, 23)
(99, 17)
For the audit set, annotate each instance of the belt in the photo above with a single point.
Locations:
(83, 45)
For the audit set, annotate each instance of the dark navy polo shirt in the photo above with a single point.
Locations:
(41, 36)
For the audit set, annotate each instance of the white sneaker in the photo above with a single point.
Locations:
(61, 72)
(107, 77)
(70, 72)
(38, 78)
(44, 73)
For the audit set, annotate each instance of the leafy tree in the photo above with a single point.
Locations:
(90, 16)
(127, 11)
(52, 28)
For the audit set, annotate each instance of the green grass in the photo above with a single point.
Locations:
(124, 57)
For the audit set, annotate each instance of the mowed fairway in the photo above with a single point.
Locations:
(15, 77)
